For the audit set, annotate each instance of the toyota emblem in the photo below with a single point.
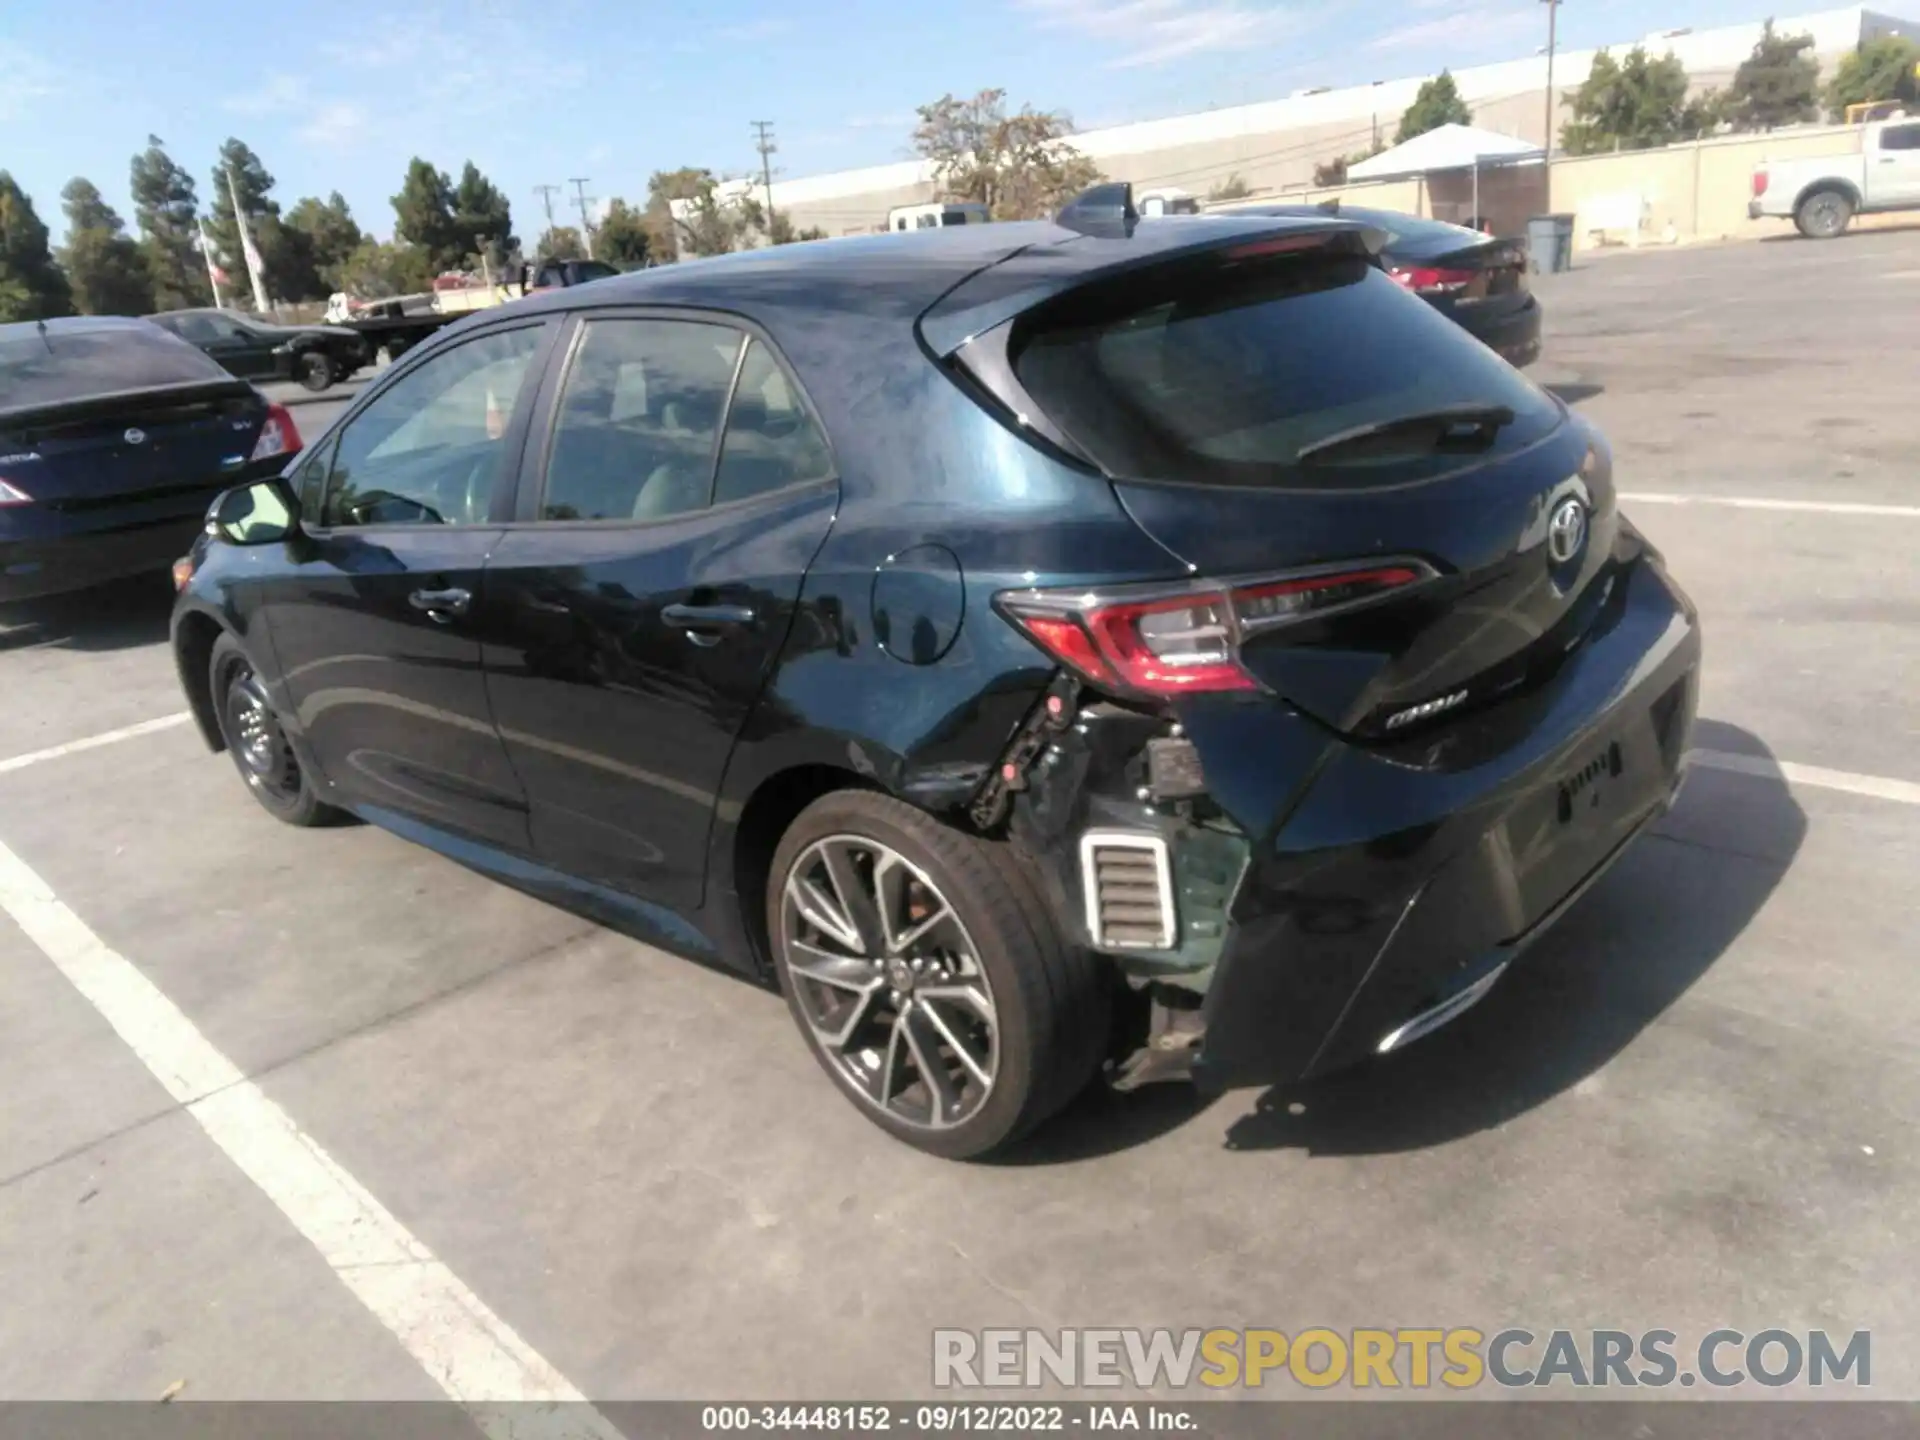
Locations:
(1567, 530)
(135, 436)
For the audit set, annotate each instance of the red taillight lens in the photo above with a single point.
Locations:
(11, 494)
(1760, 178)
(1184, 639)
(278, 435)
(1426, 280)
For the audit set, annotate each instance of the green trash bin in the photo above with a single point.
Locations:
(1550, 242)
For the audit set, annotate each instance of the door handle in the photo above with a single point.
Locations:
(706, 617)
(441, 605)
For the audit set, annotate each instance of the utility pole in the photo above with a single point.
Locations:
(579, 183)
(763, 142)
(1376, 117)
(546, 193)
(1553, 15)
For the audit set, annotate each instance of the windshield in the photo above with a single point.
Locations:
(64, 364)
(1226, 375)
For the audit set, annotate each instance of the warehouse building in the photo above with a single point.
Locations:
(1273, 146)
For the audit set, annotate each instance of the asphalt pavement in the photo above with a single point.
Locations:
(1693, 1106)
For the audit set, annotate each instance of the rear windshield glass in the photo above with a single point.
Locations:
(39, 368)
(1225, 375)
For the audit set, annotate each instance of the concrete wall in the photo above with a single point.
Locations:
(1684, 192)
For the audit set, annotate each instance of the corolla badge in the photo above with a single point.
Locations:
(1566, 530)
(135, 436)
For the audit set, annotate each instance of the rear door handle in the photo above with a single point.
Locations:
(441, 605)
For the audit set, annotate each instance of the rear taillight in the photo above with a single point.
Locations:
(1184, 638)
(1426, 280)
(278, 435)
(11, 494)
(1759, 183)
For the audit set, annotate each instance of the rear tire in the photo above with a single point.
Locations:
(969, 980)
(261, 752)
(1823, 215)
(314, 369)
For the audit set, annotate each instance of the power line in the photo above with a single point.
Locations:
(579, 183)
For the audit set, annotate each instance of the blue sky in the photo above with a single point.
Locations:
(341, 95)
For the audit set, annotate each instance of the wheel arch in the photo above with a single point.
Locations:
(747, 851)
(195, 633)
(1838, 185)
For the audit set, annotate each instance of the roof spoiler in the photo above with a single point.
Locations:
(1105, 212)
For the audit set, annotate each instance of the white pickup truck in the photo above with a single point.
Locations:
(1823, 194)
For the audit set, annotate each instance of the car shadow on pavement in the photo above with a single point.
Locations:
(119, 616)
(1612, 966)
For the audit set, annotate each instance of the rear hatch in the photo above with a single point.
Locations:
(1269, 410)
(119, 415)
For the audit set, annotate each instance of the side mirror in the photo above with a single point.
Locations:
(257, 514)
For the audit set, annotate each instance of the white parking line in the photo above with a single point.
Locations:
(1754, 502)
(1877, 787)
(469, 1351)
(125, 732)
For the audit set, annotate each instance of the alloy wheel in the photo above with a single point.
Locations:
(889, 982)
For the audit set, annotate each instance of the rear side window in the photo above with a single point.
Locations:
(44, 368)
(1223, 373)
(639, 416)
(771, 440)
(1900, 137)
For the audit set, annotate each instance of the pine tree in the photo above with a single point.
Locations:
(105, 267)
(1778, 84)
(482, 218)
(328, 232)
(32, 287)
(164, 207)
(423, 215)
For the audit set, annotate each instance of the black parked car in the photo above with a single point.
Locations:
(1165, 645)
(114, 438)
(315, 355)
(1466, 275)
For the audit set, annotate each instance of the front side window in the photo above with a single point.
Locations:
(639, 415)
(771, 441)
(427, 450)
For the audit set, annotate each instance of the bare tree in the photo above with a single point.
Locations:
(1021, 166)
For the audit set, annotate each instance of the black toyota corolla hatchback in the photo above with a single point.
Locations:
(1163, 648)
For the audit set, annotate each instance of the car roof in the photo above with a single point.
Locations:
(902, 271)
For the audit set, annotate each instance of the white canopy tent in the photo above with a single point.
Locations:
(1449, 147)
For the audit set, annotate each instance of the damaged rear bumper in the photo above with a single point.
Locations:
(1335, 900)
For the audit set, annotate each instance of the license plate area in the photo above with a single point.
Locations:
(1591, 786)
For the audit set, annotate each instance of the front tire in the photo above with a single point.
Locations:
(314, 369)
(1823, 215)
(930, 979)
(258, 744)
